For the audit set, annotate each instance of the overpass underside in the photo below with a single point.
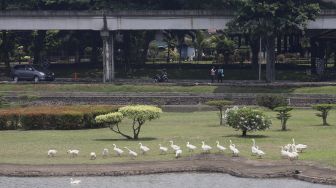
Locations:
(108, 23)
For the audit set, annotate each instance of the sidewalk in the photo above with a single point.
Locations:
(257, 83)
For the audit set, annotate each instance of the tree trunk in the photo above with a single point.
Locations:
(244, 133)
(270, 59)
(255, 46)
(283, 123)
(38, 46)
(324, 118)
(94, 53)
(221, 116)
(168, 54)
(4, 53)
(313, 55)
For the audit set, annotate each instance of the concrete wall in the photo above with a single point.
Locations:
(131, 20)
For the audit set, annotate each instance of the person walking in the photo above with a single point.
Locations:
(212, 74)
(220, 75)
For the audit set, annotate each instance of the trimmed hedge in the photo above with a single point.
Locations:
(53, 117)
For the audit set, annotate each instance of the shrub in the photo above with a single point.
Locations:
(57, 117)
(324, 111)
(271, 101)
(138, 113)
(246, 119)
(283, 115)
(220, 105)
(112, 120)
(3, 102)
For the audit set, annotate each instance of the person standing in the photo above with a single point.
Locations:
(212, 74)
(220, 75)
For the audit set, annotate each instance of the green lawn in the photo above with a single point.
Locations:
(30, 147)
(163, 88)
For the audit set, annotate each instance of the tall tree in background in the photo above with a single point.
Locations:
(268, 18)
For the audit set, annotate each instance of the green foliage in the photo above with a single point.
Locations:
(267, 19)
(141, 113)
(324, 111)
(220, 105)
(110, 118)
(271, 101)
(138, 113)
(283, 115)
(3, 102)
(47, 117)
(246, 119)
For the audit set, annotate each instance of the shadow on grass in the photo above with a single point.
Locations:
(280, 130)
(321, 125)
(124, 139)
(247, 136)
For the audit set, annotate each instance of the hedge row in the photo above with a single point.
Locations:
(57, 117)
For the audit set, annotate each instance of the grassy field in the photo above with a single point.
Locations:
(30, 147)
(163, 88)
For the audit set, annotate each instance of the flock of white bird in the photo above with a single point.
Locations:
(289, 151)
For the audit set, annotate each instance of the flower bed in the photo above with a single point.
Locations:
(53, 117)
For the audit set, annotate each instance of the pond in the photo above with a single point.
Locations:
(184, 180)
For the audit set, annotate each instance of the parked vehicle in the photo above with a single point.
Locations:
(31, 72)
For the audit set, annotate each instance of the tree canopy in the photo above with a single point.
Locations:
(268, 18)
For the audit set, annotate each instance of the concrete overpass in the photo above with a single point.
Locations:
(132, 20)
(107, 22)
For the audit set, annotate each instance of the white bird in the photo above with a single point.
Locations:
(254, 149)
(235, 151)
(219, 147)
(289, 155)
(105, 152)
(191, 147)
(163, 150)
(72, 181)
(173, 146)
(260, 153)
(284, 153)
(131, 153)
(144, 149)
(293, 155)
(178, 153)
(299, 147)
(93, 156)
(117, 150)
(206, 148)
(52, 153)
(73, 153)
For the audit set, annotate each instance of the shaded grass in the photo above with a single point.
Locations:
(163, 88)
(30, 147)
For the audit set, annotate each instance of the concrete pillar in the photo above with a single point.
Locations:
(108, 57)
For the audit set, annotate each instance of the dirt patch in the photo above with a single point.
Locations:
(202, 163)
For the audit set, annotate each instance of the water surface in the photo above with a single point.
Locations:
(184, 180)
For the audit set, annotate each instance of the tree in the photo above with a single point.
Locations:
(266, 19)
(223, 45)
(138, 113)
(283, 115)
(324, 111)
(220, 105)
(246, 119)
(271, 101)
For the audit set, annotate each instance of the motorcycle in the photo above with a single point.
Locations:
(161, 77)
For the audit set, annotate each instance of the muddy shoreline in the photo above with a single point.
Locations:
(210, 164)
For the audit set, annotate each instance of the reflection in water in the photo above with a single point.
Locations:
(192, 180)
